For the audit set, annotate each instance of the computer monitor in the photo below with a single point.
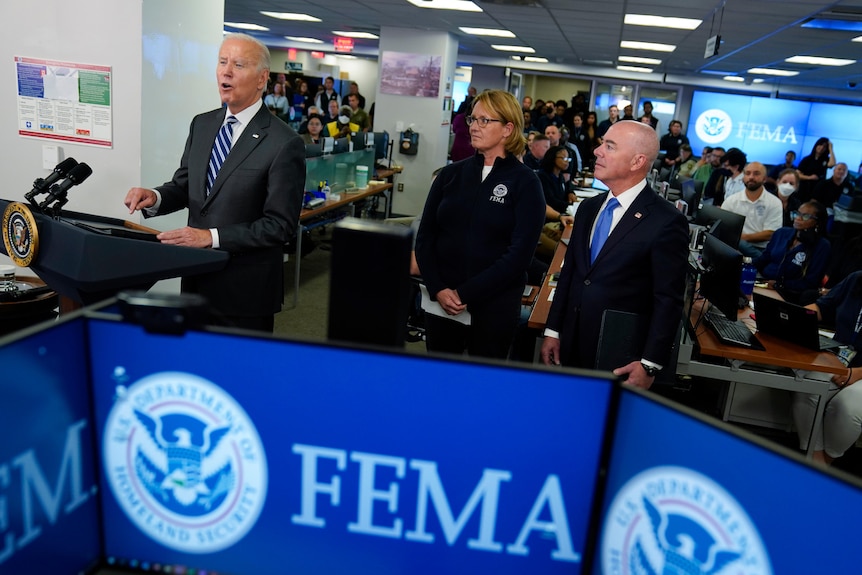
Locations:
(381, 145)
(720, 281)
(319, 458)
(360, 140)
(688, 494)
(341, 145)
(729, 230)
(599, 185)
(313, 150)
(691, 196)
(49, 514)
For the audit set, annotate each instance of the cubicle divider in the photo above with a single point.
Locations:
(229, 453)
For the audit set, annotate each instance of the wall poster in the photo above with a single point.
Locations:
(406, 74)
(64, 101)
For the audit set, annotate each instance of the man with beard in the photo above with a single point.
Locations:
(763, 211)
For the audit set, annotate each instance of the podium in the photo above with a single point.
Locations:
(88, 258)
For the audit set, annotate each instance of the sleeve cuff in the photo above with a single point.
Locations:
(551, 333)
(214, 232)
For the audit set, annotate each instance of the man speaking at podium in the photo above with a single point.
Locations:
(241, 176)
(628, 252)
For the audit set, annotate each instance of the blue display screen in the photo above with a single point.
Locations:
(48, 503)
(259, 456)
(766, 128)
(681, 491)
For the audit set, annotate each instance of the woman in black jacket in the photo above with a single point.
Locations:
(479, 230)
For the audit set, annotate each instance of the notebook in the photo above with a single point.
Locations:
(790, 322)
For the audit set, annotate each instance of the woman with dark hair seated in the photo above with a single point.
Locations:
(842, 420)
(794, 262)
(558, 195)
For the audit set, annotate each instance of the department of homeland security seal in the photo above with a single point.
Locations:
(713, 126)
(674, 520)
(185, 462)
(20, 234)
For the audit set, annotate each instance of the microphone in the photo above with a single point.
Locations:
(60, 171)
(58, 191)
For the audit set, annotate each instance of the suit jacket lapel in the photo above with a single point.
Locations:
(637, 213)
(252, 135)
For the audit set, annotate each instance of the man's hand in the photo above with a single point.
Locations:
(450, 301)
(191, 237)
(139, 198)
(567, 220)
(551, 351)
(637, 376)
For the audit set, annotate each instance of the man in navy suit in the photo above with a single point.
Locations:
(250, 205)
(640, 268)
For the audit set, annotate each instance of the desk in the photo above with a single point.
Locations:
(306, 216)
(782, 365)
(539, 315)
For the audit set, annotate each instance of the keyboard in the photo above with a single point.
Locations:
(731, 332)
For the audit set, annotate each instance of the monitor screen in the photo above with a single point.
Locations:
(685, 490)
(341, 145)
(720, 281)
(599, 185)
(730, 227)
(766, 128)
(49, 516)
(220, 449)
(313, 150)
(381, 145)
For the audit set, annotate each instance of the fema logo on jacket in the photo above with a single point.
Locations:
(185, 462)
(672, 520)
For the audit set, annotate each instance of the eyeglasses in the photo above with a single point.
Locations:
(803, 217)
(483, 122)
(564, 158)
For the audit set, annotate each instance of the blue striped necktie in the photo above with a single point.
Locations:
(221, 148)
(603, 228)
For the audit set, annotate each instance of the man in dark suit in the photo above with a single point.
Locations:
(640, 268)
(249, 206)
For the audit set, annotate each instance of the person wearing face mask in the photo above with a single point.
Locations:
(787, 184)
(342, 127)
(795, 260)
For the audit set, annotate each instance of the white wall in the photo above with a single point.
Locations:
(162, 54)
(425, 114)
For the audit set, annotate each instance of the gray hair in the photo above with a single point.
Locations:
(264, 61)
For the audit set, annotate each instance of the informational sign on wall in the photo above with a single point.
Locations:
(64, 101)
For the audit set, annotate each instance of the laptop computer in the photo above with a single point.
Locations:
(790, 322)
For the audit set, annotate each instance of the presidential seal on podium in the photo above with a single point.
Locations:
(20, 234)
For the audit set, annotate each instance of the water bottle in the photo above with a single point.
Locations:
(749, 274)
(326, 190)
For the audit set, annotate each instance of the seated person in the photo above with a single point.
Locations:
(558, 195)
(538, 147)
(342, 127)
(687, 162)
(787, 183)
(761, 209)
(842, 420)
(794, 262)
(314, 127)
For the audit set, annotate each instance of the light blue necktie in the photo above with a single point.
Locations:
(221, 148)
(603, 228)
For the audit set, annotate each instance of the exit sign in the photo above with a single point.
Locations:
(343, 44)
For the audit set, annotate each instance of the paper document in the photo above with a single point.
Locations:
(435, 308)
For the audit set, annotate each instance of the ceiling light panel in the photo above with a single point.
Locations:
(291, 16)
(651, 46)
(662, 21)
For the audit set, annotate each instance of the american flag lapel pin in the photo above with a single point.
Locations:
(638, 215)
(255, 136)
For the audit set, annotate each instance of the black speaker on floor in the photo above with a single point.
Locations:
(369, 290)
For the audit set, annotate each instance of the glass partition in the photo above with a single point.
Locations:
(339, 170)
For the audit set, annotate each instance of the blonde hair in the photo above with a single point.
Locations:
(504, 105)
